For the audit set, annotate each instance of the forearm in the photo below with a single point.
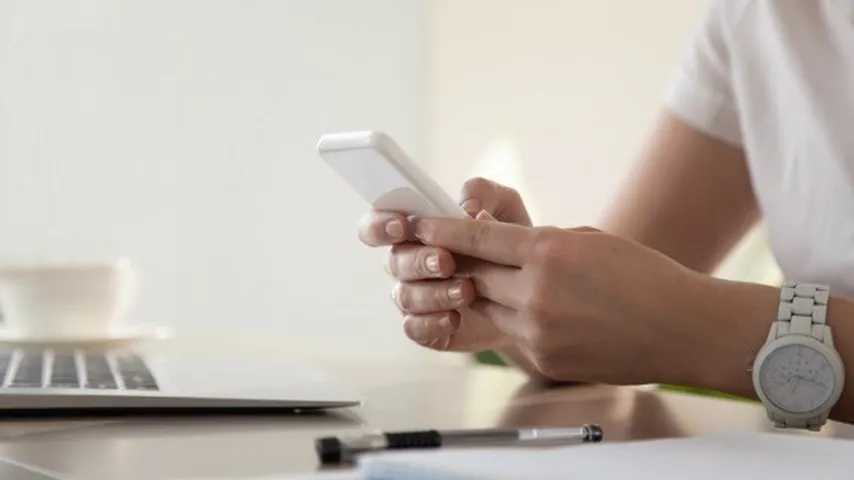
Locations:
(731, 321)
(689, 197)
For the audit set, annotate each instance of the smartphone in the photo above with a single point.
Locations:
(378, 169)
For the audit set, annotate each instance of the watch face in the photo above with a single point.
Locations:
(796, 378)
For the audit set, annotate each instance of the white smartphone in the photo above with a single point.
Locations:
(378, 169)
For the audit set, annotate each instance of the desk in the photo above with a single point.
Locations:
(399, 396)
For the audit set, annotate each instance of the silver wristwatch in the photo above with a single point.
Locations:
(798, 374)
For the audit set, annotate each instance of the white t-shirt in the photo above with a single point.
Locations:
(776, 77)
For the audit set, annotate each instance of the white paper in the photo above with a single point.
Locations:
(729, 456)
(332, 475)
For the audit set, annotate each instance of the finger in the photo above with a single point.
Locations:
(477, 331)
(425, 329)
(499, 200)
(433, 296)
(471, 331)
(379, 228)
(504, 319)
(413, 261)
(497, 242)
(495, 282)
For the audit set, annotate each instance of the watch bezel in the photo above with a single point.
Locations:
(829, 353)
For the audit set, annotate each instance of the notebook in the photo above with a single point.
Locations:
(729, 456)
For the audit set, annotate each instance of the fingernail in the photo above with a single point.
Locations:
(445, 322)
(455, 293)
(472, 206)
(433, 263)
(394, 229)
(484, 215)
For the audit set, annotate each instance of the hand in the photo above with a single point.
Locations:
(579, 304)
(440, 306)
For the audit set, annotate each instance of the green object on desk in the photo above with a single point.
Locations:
(704, 392)
(488, 357)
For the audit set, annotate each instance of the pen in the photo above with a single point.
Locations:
(344, 449)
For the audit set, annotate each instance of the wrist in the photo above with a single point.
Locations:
(730, 323)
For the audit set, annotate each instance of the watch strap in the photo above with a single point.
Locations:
(803, 310)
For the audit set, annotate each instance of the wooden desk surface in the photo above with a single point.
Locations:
(399, 396)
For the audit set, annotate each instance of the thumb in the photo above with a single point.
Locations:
(503, 202)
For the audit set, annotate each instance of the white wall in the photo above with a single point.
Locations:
(181, 133)
(553, 96)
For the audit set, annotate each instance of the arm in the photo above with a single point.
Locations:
(581, 304)
(689, 196)
(695, 211)
(666, 205)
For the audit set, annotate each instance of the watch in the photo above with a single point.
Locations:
(798, 374)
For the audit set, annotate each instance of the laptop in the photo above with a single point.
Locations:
(42, 379)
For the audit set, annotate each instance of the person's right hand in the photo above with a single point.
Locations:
(439, 303)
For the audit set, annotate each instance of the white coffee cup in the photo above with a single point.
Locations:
(55, 300)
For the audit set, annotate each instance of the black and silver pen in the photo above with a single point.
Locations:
(344, 449)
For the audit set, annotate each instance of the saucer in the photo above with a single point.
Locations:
(119, 335)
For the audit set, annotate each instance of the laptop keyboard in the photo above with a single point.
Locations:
(29, 371)
(74, 369)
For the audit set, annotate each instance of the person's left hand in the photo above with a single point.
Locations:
(580, 304)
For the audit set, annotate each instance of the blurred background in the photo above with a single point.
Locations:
(180, 133)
